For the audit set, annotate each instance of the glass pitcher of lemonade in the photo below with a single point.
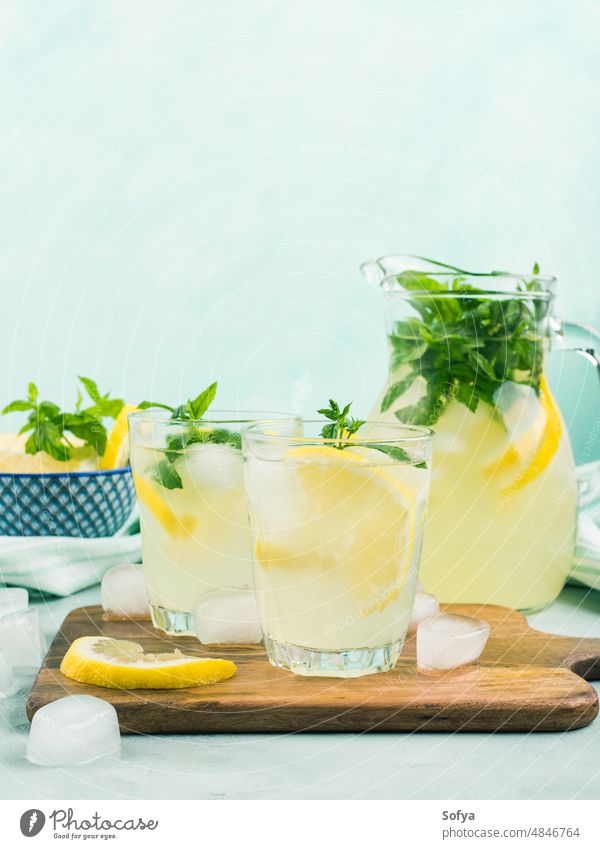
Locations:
(467, 358)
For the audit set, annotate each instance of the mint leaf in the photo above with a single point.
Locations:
(146, 405)
(91, 388)
(88, 428)
(202, 402)
(51, 430)
(342, 424)
(103, 405)
(18, 406)
(395, 452)
(221, 436)
(345, 426)
(193, 409)
(167, 476)
(47, 437)
(396, 390)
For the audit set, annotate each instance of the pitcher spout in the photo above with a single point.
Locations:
(377, 270)
(374, 273)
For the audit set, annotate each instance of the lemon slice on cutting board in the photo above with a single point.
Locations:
(361, 518)
(123, 665)
(116, 453)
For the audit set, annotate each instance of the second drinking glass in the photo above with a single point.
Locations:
(337, 527)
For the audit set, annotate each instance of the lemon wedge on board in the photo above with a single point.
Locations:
(123, 665)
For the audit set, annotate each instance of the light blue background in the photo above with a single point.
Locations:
(188, 188)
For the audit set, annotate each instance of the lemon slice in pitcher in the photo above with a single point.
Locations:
(530, 454)
(123, 665)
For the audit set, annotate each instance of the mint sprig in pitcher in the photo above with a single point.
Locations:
(467, 358)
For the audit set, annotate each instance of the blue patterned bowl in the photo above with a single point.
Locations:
(70, 504)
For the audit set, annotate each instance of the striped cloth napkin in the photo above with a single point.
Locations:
(586, 562)
(64, 565)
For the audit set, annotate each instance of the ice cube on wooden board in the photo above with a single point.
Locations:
(123, 592)
(228, 617)
(424, 607)
(449, 640)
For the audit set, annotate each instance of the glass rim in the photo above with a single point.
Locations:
(417, 434)
(389, 284)
(218, 417)
(435, 268)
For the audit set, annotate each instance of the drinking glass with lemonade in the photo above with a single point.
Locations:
(188, 473)
(337, 525)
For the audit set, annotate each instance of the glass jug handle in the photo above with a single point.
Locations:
(584, 340)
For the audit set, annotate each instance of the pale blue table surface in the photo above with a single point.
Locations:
(327, 766)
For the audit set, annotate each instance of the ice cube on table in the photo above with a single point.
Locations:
(73, 730)
(8, 680)
(219, 467)
(228, 616)
(21, 639)
(13, 600)
(449, 640)
(424, 607)
(123, 592)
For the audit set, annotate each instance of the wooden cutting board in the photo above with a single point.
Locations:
(526, 681)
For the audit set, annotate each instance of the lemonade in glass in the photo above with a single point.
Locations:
(194, 520)
(337, 527)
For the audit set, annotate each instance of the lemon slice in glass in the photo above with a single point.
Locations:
(359, 520)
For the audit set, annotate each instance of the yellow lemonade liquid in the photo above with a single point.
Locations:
(502, 505)
(337, 537)
(195, 539)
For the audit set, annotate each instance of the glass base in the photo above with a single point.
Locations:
(347, 663)
(176, 622)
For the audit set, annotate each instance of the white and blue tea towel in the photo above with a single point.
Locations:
(64, 565)
(586, 561)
